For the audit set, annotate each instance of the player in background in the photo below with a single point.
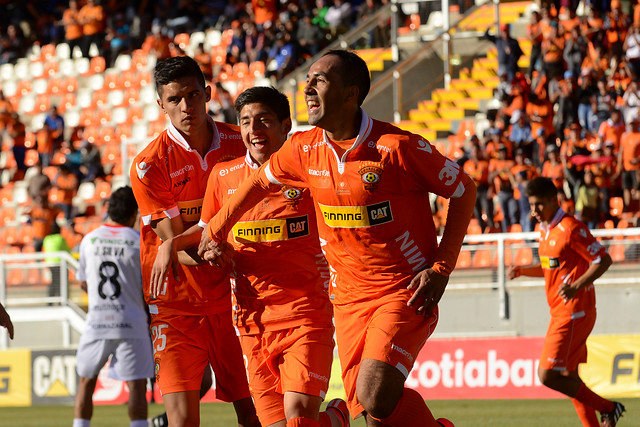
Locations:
(370, 183)
(281, 304)
(191, 315)
(116, 326)
(570, 260)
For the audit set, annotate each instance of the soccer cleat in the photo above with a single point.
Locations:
(445, 422)
(339, 407)
(159, 421)
(610, 419)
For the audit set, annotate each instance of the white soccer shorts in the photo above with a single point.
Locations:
(131, 358)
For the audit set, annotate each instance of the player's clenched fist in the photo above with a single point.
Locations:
(429, 287)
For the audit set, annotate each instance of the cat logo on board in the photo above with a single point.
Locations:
(371, 174)
(292, 195)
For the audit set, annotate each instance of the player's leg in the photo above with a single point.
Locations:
(90, 358)
(83, 408)
(183, 408)
(377, 347)
(138, 405)
(227, 362)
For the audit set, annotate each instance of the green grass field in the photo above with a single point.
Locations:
(464, 413)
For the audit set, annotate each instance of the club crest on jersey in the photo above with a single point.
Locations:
(292, 195)
(371, 174)
(141, 169)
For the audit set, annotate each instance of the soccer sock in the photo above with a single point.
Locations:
(410, 411)
(303, 422)
(589, 398)
(325, 418)
(81, 422)
(139, 423)
(586, 414)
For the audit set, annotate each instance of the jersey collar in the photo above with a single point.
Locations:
(177, 137)
(365, 129)
(555, 221)
(249, 161)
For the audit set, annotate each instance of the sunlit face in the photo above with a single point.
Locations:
(262, 132)
(185, 102)
(325, 92)
(543, 209)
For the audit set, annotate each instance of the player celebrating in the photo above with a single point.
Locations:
(191, 315)
(109, 271)
(570, 260)
(282, 307)
(370, 183)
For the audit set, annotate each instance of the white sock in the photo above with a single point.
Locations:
(139, 423)
(80, 422)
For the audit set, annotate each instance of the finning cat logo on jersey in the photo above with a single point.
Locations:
(292, 195)
(371, 174)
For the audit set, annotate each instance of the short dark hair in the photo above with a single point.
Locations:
(268, 96)
(354, 72)
(171, 69)
(541, 187)
(122, 205)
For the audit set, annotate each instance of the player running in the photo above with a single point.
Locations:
(191, 315)
(282, 308)
(571, 259)
(116, 326)
(370, 183)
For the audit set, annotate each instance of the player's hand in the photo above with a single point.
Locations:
(429, 287)
(166, 259)
(513, 272)
(219, 254)
(567, 292)
(204, 243)
(5, 321)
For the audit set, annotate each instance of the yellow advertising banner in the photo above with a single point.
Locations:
(15, 378)
(613, 365)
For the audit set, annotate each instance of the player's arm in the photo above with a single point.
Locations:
(515, 271)
(249, 193)
(596, 269)
(430, 283)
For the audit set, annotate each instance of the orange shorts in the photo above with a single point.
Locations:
(565, 345)
(385, 330)
(296, 359)
(184, 345)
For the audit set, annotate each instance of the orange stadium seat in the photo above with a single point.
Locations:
(138, 59)
(10, 235)
(616, 206)
(25, 234)
(218, 55)
(51, 68)
(7, 215)
(97, 65)
(227, 35)
(67, 102)
(88, 118)
(144, 77)
(123, 132)
(240, 70)
(182, 40)
(111, 81)
(257, 69)
(523, 256)
(59, 158)
(70, 84)
(128, 79)
(47, 52)
(464, 259)
(107, 135)
(482, 258)
(99, 99)
(54, 86)
(225, 73)
(103, 116)
(24, 87)
(31, 157)
(43, 103)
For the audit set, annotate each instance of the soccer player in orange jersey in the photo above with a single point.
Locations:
(370, 183)
(570, 260)
(281, 304)
(191, 314)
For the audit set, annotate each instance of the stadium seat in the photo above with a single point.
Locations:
(257, 69)
(482, 258)
(616, 206)
(25, 234)
(31, 158)
(70, 84)
(103, 117)
(24, 87)
(42, 103)
(51, 68)
(7, 216)
(240, 70)
(523, 256)
(123, 131)
(139, 59)
(107, 135)
(218, 55)
(54, 86)
(182, 40)
(96, 65)
(464, 259)
(67, 102)
(47, 52)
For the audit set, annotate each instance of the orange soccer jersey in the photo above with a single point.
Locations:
(566, 250)
(367, 206)
(630, 144)
(169, 179)
(281, 275)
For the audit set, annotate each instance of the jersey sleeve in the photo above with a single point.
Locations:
(81, 274)
(152, 190)
(584, 244)
(285, 166)
(429, 169)
(211, 203)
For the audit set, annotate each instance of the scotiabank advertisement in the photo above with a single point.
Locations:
(461, 368)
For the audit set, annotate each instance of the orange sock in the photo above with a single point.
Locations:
(303, 422)
(411, 411)
(325, 419)
(589, 398)
(586, 414)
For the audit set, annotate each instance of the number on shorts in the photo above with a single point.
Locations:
(156, 333)
(108, 270)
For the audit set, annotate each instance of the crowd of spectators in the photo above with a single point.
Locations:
(572, 117)
(282, 33)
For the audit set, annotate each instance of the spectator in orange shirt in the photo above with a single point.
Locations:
(72, 27)
(552, 51)
(534, 34)
(204, 62)
(612, 129)
(93, 21)
(477, 167)
(500, 176)
(264, 11)
(65, 183)
(42, 216)
(629, 162)
(521, 173)
(616, 25)
(603, 169)
(567, 113)
(158, 43)
(17, 133)
(44, 145)
(553, 167)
